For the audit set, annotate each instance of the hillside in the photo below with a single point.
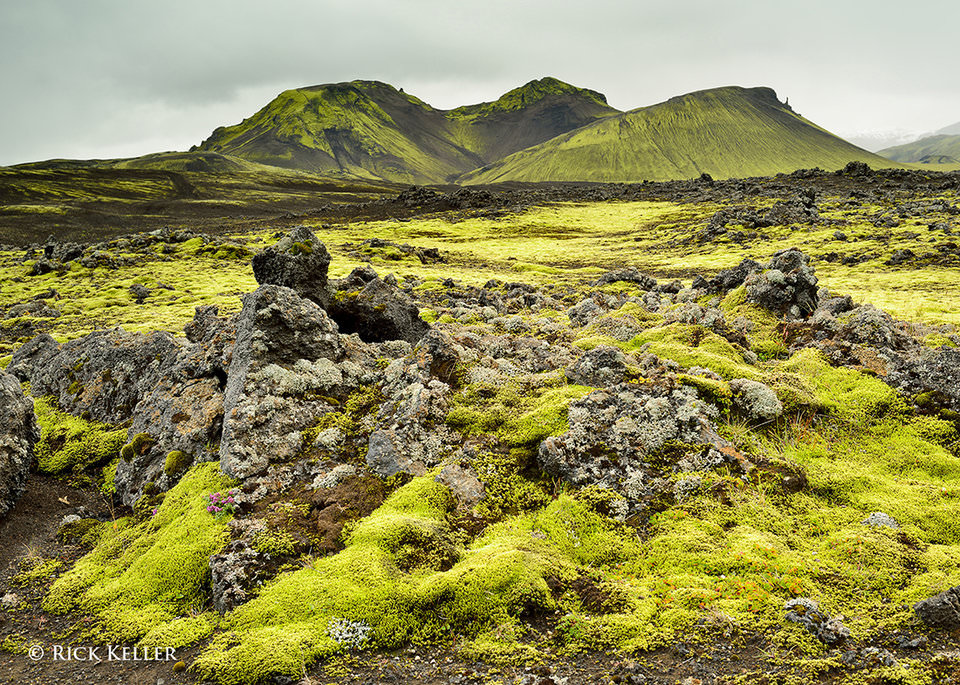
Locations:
(369, 129)
(526, 116)
(724, 132)
(951, 130)
(939, 149)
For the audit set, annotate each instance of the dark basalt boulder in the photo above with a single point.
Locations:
(298, 261)
(28, 354)
(940, 611)
(182, 413)
(18, 435)
(628, 275)
(728, 279)
(102, 375)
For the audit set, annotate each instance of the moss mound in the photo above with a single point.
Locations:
(68, 443)
(143, 575)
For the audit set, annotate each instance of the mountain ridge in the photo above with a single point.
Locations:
(369, 129)
(935, 149)
(725, 132)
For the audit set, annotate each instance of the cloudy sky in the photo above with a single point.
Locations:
(111, 78)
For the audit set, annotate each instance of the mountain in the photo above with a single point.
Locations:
(938, 149)
(526, 116)
(725, 132)
(879, 140)
(952, 130)
(369, 129)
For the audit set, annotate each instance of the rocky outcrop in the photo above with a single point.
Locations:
(18, 435)
(630, 274)
(602, 366)
(283, 366)
(299, 261)
(103, 375)
(616, 437)
(786, 285)
(411, 436)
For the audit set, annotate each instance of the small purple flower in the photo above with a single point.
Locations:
(230, 500)
(210, 508)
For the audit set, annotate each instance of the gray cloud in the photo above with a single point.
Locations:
(113, 77)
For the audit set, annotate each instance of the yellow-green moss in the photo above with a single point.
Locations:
(69, 443)
(497, 578)
(177, 461)
(37, 569)
(140, 443)
(143, 575)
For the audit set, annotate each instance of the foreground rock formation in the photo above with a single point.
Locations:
(332, 472)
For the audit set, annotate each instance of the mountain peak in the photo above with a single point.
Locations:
(531, 93)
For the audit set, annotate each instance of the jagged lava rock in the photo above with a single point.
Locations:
(183, 412)
(286, 347)
(614, 434)
(18, 435)
(103, 375)
(412, 436)
(602, 366)
(940, 611)
(298, 261)
(786, 286)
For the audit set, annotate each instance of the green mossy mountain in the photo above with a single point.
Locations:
(369, 129)
(725, 132)
(940, 149)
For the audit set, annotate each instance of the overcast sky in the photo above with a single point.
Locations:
(112, 78)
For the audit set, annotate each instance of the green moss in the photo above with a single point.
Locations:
(109, 478)
(143, 575)
(713, 391)
(68, 443)
(192, 246)
(177, 461)
(87, 531)
(180, 632)
(278, 543)
(139, 445)
(521, 413)
(497, 578)
(37, 569)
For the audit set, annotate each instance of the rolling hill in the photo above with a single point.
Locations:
(939, 149)
(369, 129)
(725, 132)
